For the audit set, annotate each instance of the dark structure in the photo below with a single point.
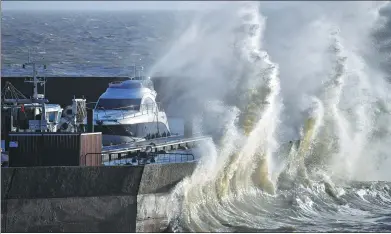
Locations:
(84, 199)
(61, 90)
(70, 199)
(55, 149)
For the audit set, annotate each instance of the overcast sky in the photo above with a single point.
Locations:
(104, 5)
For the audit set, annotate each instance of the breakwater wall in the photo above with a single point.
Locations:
(88, 199)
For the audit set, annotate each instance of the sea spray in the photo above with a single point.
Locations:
(258, 121)
(231, 196)
(258, 118)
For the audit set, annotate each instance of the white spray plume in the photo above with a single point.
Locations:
(325, 53)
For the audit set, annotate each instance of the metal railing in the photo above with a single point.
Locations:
(143, 158)
(92, 159)
(173, 157)
(155, 143)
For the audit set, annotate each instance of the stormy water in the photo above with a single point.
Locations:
(84, 43)
(295, 95)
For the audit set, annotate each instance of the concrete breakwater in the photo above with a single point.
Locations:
(88, 199)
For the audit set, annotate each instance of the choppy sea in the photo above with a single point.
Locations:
(355, 145)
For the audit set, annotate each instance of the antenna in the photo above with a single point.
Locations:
(35, 79)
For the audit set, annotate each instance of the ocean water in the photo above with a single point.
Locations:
(296, 93)
(84, 43)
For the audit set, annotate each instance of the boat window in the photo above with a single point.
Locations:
(120, 104)
(51, 116)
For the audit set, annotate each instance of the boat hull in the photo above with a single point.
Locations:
(128, 133)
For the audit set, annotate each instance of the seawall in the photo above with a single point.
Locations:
(88, 199)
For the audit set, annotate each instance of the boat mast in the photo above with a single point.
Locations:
(35, 80)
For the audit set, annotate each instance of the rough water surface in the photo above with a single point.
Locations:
(299, 104)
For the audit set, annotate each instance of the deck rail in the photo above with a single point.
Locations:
(142, 159)
(152, 151)
(154, 144)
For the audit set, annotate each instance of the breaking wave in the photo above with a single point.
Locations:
(303, 134)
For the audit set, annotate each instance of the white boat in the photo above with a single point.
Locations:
(127, 112)
(30, 114)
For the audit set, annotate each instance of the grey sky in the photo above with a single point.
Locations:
(104, 5)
